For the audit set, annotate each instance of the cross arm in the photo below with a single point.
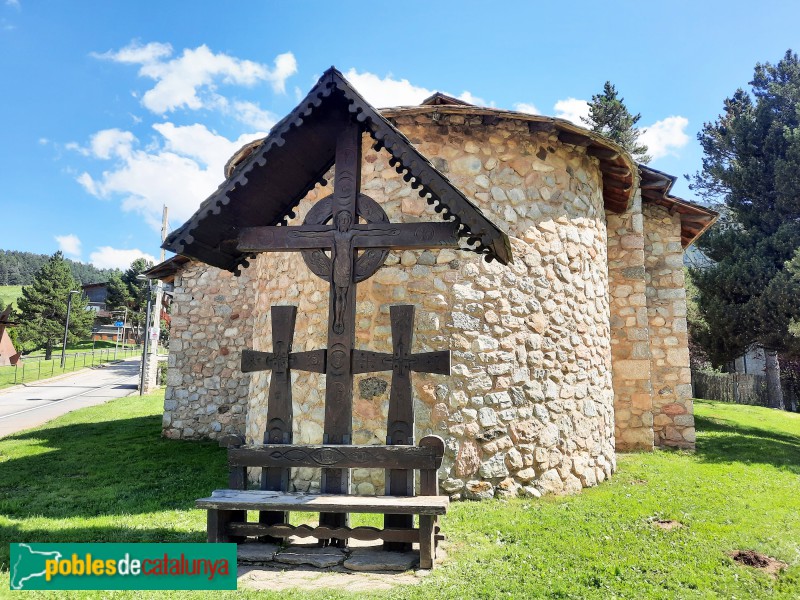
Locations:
(366, 361)
(312, 361)
(406, 236)
(278, 239)
(431, 362)
(256, 361)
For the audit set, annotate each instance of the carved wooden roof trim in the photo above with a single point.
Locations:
(215, 244)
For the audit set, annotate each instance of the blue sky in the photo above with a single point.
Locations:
(110, 109)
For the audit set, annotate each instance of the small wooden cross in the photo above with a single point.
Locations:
(400, 424)
(280, 361)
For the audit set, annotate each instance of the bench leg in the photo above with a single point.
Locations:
(272, 518)
(398, 522)
(218, 521)
(426, 541)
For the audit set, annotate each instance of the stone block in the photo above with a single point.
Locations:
(631, 369)
(479, 490)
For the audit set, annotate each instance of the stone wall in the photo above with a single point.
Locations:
(630, 339)
(673, 413)
(529, 404)
(587, 322)
(212, 323)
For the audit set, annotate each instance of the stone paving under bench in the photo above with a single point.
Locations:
(363, 566)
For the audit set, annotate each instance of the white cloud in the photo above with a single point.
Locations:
(13, 4)
(106, 257)
(468, 97)
(665, 136)
(387, 91)
(252, 115)
(180, 169)
(285, 67)
(88, 184)
(70, 245)
(191, 79)
(111, 142)
(136, 54)
(572, 109)
(527, 108)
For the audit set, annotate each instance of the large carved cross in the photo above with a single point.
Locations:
(333, 224)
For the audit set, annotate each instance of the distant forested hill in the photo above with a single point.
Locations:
(18, 268)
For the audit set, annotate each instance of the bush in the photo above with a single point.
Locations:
(162, 373)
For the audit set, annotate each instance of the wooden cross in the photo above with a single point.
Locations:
(400, 424)
(333, 225)
(281, 361)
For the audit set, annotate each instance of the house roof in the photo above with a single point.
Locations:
(695, 219)
(166, 270)
(272, 176)
(440, 99)
(5, 317)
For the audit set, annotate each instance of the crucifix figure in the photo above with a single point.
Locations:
(400, 424)
(344, 238)
(357, 251)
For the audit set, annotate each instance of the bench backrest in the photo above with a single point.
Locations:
(425, 458)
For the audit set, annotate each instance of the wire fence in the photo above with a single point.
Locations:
(34, 368)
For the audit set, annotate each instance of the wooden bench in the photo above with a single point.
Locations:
(227, 509)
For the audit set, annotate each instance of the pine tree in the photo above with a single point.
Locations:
(43, 308)
(752, 163)
(609, 116)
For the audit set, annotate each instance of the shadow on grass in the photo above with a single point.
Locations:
(724, 441)
(11, 534)
(115, 467)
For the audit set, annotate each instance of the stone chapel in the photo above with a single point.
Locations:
(574, 351)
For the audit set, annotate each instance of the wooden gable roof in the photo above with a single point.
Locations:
(695, 219)
(267, 179)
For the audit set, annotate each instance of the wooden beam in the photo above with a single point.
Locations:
(339, 456)
(327, 503)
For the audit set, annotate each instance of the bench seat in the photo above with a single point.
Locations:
(302, 502)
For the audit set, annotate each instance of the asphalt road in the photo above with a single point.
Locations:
(23, 407)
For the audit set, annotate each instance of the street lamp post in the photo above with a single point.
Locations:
(66, 326)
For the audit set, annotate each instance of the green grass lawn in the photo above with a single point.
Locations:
(9, 295)
(104, 474)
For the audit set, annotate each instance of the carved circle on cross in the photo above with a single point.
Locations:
(337, 356)
(368, 262)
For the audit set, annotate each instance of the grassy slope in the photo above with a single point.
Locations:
(740, 490)
(9, 294)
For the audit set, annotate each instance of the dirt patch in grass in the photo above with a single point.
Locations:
(751, 558)
(667, 524)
